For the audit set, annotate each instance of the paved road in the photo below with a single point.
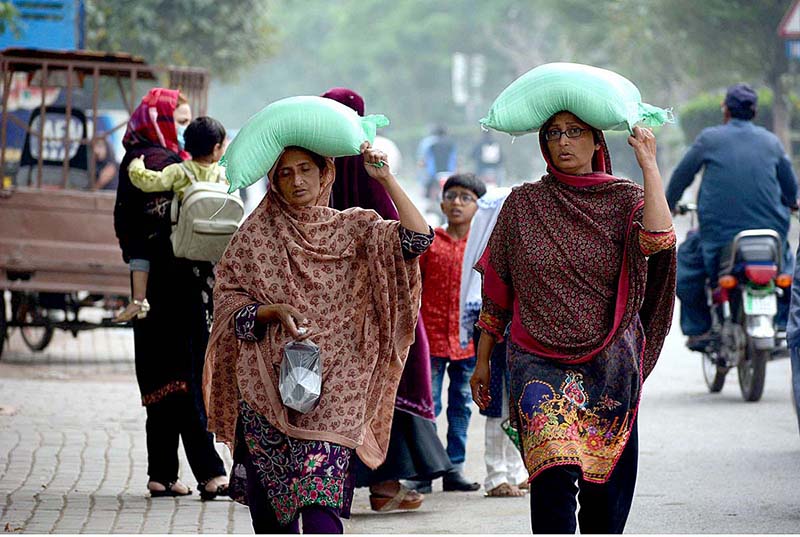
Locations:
(72, 455)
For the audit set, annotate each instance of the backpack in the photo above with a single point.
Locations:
(205, 220)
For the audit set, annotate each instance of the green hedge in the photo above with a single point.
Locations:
(704, 111)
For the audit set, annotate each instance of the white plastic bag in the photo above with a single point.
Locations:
(301, 375)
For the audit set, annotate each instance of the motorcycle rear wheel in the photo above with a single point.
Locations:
(752, 373)
(713, 374)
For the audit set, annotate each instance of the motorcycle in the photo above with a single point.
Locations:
(743, 304)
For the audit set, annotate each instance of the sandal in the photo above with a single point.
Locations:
(168, 491)
(504, 490)
(399, 502)
(206, 495)
(137, 308)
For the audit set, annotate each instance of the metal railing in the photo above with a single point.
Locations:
(193, 82)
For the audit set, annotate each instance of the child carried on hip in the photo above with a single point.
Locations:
(204, 140)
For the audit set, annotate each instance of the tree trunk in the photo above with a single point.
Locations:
(781, 113)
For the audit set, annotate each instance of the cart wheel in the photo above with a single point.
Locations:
(3, 326)
(37, 338)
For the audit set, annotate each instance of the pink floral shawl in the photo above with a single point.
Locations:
(345, 271)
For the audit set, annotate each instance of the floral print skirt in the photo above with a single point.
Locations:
(293, 473)
(579, 414)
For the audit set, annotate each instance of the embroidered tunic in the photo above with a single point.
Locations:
(580, 412)
(588, 293)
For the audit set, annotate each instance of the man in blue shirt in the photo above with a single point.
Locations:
(748, 183)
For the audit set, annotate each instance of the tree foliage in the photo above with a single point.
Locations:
(398, 55)
(8, 17)
(222, 36)
(706, 46)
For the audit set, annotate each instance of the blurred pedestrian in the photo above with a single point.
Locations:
(488, 157)
(170, 342)
(506, 475)
(793, 336)
(415, 451)
(441, 285)
(582, 266)
(438, 159)
(350, 281)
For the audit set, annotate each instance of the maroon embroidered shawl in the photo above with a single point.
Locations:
(564, 266)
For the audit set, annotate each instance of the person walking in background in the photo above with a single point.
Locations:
(793, 336)
(488, 157)
(204, 138)
(506, 476)
(441, 285)
(169, 343)
(415, 451)
(582, 266)
(438, 157)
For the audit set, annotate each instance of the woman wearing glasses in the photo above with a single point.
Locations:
(582, 266)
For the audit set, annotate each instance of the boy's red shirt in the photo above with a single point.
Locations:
(441, 288)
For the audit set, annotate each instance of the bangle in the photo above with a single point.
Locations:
(659, 231)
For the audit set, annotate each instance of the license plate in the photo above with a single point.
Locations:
(760, 305)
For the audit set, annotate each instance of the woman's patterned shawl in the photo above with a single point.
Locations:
(564, 266)
(346, 273)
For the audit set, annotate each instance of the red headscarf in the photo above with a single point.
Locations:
(153, 122)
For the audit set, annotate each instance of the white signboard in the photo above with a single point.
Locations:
(55, 128)
(790, 24)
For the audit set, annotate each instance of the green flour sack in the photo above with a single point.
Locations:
(321, 125)
(602, 98)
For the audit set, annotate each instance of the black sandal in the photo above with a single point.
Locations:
(168, 490)
(206, 495)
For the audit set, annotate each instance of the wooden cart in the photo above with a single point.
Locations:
(58, 249)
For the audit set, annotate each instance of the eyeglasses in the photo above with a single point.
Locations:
(452, 196)
(555, 134)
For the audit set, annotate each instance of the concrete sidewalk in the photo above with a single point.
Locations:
(73, 459)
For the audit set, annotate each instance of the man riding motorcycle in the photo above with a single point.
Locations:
(748, 183)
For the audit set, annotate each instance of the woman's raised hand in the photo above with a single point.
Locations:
(643, 142)
(291, 319)
(376, 163)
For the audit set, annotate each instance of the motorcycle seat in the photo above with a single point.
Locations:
(754, 249)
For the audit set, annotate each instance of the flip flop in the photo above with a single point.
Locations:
(398, 502)
(504, 490)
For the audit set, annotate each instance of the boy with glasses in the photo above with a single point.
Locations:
(441, 285)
